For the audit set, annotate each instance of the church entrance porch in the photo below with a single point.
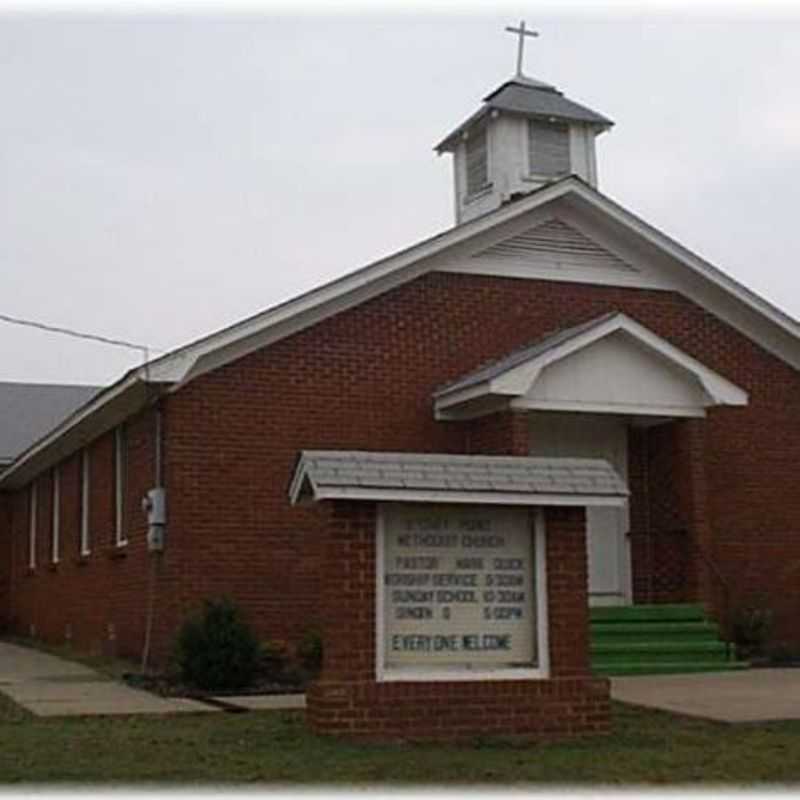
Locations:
(652, 550)
(557, 435)
(612, 388)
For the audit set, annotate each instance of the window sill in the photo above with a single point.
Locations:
(118, 551)
(535, 178)
(411, 675)
(477, 194)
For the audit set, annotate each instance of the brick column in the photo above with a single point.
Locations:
(692, 488)
(504, 433)
(348, 700)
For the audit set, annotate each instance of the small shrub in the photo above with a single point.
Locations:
(752, 625)
(218, 650)
(271, 661)
(309, 651)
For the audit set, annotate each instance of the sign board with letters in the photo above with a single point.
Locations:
(458, 587)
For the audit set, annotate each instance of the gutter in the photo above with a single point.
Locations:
(101, 413)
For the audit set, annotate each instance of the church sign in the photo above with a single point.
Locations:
(457, 590)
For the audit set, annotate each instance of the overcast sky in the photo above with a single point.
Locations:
(164, 177)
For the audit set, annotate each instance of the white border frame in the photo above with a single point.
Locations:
(120, 478)
(55, 520)
(85, 547)
(32, 523)
(412, 674)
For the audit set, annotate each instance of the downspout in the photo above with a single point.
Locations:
(154, 555)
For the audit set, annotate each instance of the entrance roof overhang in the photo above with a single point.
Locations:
(445, 478)
(611, 364)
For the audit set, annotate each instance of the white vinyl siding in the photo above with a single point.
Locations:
(477, 160)
(120, 459)
(32, 527)
(85, 503)
(548, 148)
(55, 529)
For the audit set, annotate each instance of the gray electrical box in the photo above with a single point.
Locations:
(155, 506)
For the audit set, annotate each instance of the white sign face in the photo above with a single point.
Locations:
(458, 586)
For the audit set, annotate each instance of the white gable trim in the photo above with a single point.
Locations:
(438, 253)
(774, 330)
(596, 262)
(518, 381)
(462, 496)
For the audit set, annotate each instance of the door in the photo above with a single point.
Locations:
(556, 435)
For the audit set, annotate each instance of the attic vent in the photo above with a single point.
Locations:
(477, 166)
(548, 148)
(556, 245)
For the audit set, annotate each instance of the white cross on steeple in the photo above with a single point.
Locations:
(522, 32)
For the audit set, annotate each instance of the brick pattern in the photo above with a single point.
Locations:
(661, 555)
(5, 561)
(505, 433)
(363, 379)
(347, 700)
(98, 602)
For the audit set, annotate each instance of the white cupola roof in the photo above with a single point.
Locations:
(526, 134)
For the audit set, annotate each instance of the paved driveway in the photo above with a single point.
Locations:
(753, 695)
(50, 686)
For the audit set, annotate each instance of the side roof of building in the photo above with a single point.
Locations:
(29, 410)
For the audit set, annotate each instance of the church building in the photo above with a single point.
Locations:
(441, 461)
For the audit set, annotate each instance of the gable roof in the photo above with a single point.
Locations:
(442, 478)
(525, 354)
(772, 328)
(515, 374)
(527, 98)
(29, 410)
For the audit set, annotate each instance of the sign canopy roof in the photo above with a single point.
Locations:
(436, 477)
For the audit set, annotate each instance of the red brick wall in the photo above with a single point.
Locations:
(98, 602)
(364, 379)
(347, 700)
(660, 532)
(5, 560)
(505, 433)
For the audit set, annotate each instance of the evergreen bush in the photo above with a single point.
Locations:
(217, 649)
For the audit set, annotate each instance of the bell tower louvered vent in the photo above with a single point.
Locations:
(525, 135)
(555, 245)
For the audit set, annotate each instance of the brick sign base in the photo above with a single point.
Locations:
(347, 700)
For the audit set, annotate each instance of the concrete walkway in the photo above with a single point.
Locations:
(754, 695)
(50, 686)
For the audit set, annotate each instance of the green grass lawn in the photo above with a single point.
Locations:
(646, 747)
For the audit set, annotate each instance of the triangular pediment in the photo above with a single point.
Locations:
(554, 245)
(612, 364)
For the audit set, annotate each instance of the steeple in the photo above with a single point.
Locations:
(526, 134)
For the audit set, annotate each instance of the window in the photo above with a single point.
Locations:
(32, 527)
(477, 160)
(120, 465)
(84, 543)
(55, 526)
(548, 148)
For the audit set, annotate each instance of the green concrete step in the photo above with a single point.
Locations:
(656, 639)
(666, 668)
(684, 631)
(683, 612)
(637, 650)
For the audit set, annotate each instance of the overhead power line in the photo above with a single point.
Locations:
(93, 337)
